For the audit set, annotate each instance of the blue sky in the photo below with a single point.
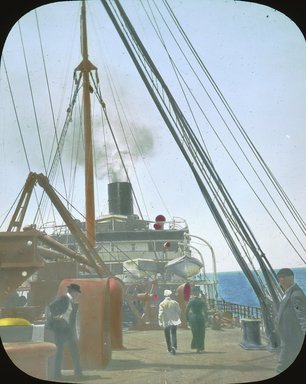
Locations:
(256, 56)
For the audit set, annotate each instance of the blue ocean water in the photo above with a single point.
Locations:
(235, 287)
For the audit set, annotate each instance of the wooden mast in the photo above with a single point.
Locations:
(86, 67)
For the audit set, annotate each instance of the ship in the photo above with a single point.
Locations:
(134, 256)
(146, 255)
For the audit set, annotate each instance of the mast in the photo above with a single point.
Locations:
(85, 67)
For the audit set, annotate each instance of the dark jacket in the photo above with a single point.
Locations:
(196, 310)
(291, 319)
(58, 319)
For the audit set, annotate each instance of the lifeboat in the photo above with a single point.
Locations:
(184, 266)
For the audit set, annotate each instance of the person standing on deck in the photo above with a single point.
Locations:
(196, 316)
(62, 321)
(290, 319)
(169, 318)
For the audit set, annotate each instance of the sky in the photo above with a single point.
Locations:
(257, 58)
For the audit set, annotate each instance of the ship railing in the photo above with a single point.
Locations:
(237, 310)
(55, 229)
(176, 224)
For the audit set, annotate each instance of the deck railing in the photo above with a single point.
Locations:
(237, 310)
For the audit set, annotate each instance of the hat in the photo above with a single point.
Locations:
(167, 292)
(196, 290)
(74, 287)
(285, 272)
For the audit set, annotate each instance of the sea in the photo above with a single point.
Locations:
(234, 287)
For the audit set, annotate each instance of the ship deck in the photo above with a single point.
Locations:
(146, 361)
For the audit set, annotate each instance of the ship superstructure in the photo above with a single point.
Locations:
(135, 249)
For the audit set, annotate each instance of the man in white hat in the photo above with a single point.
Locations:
(169, 319)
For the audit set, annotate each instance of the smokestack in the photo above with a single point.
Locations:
(120, 199)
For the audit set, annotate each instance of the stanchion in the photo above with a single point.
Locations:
(251, 334)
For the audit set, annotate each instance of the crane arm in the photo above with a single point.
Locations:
(18, 216)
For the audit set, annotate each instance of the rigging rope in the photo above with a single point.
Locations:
(130, 155)
(97, 91)
(16, 114)
(32, 99)
(265, 167)
(140, 151)
(134, 47)
(17, 119)
(50, 100)
(224, 101)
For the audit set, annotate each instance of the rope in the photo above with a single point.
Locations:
(219, 113)
(50, 99)
(129, 150)
(16, 114)
(32, 99)
(272, 178)
(188, 138)
(115, 96)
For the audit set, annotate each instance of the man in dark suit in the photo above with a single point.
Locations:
(291, 319)
(62, 321)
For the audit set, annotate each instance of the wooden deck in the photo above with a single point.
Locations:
(146, 361)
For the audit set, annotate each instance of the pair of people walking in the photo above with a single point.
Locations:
(196, 316)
